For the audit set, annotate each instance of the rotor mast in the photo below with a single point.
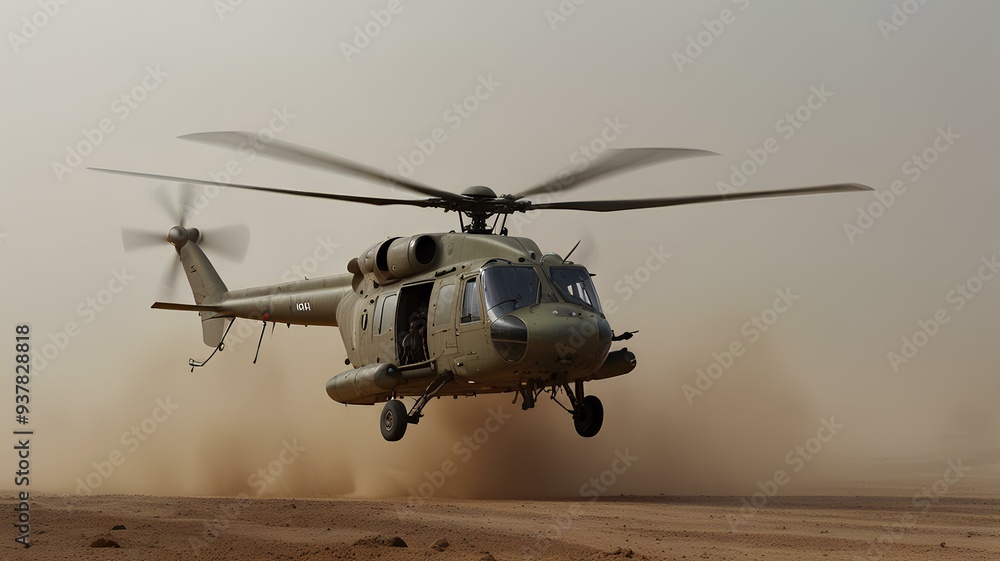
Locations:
(478, 214)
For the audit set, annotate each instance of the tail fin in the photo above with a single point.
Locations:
(208, 290)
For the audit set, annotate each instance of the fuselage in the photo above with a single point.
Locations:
(491, 311)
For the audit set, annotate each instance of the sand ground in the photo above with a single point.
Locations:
(829, 528)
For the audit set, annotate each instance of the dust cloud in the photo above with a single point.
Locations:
(270, 430)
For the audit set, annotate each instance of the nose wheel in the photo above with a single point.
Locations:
(588, 416)
(587, 411)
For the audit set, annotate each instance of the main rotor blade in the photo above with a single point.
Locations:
(299, 154)
(632, 204)
(350, 198)
(137, 239)
(612, 162)
(231, 242)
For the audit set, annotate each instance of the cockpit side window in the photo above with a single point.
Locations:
(508, 288)
(575, 285)
(471, 309)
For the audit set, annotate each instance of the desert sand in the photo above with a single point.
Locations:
(833, 527)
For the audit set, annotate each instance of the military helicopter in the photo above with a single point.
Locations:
(459, 313)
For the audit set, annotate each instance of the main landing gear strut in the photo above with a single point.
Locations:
(587, 410)
(394, 417)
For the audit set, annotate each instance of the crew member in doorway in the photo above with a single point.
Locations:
(413, 344)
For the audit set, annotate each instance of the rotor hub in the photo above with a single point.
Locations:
(179, 235)
(479, 192)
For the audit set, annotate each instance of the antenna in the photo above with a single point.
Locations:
(565, 259)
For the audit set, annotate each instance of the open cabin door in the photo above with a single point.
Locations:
(412, 329)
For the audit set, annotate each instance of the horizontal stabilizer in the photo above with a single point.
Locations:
(188, 307)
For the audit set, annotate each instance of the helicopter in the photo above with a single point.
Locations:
(461, 313)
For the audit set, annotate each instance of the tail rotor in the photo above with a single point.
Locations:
(231, 242)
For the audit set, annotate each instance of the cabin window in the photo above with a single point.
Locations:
(386, 314)
(442, 310)
(471, 309)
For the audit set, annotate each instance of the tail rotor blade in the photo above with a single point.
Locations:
(138, 239)
(169, 279)
(186, 202)
(231, 242)
(167, 203)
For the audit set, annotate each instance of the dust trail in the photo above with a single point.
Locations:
(237, 427)
(709, 448)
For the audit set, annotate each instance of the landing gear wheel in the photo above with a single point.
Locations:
(590, 416)
(393, 421)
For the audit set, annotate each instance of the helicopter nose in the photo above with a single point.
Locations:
(542, 335)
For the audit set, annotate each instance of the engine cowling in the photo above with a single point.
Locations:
(399, 258)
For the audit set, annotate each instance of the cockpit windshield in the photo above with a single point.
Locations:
(507, 288)
(575, 285)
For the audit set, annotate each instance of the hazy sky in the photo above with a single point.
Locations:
(830, 91)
